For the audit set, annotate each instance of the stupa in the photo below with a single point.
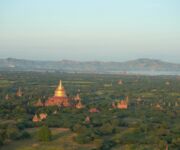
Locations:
(39, 103)
(77, 97)
(19, 93)
(7, 97)
(60, 98)
(79, 105)
(87, 119)
(40, 117)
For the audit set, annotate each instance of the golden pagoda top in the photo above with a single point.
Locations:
(60, 91)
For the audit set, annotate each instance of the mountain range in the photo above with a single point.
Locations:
(142, 66)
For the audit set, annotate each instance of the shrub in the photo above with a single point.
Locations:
(44, 134)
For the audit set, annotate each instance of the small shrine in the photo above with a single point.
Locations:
(94, 110)
(40, 117)
(87, 119)
(79, 104)
(39, 103)
(120, 82)
(77, 97)
(123, 104)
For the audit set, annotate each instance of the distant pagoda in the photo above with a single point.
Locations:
(87, 119)
(7, 97)
(123, 104)
(77, 97)
(39, 103)
(40, 117)
(19, 93)
(79, 104)
(60, 98)
(120, 82)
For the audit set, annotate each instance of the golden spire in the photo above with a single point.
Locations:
(60, 85)
(60, 92)
(19, 92)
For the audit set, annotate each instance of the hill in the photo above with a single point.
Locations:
(142, 66)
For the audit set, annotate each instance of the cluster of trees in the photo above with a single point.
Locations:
(11, 132)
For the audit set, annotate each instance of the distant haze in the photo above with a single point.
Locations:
(87, 30)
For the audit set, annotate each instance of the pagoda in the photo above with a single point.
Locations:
(113, 105)
(7, 97)
(94, 110)
(35, 118)
(158, 106)
(39, 103)
(123, 104)
(87, 119)
(40, 117)
(19, 93)
(77, 97)
(120, 82)
(79, 105)
(60, 98)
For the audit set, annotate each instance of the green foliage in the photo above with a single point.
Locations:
(83, 138)
(44, 134)
(24, 135)
(1, 140)
(106, 129)
(141, 126)
(12, 132)
(107, 145)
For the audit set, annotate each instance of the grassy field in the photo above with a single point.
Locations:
(62, 140)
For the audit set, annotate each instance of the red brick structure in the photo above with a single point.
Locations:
(94, 110)
(123, 104)
(87, 120)
(79, 105)
(77, 97)
(40, 117)
(39, 103)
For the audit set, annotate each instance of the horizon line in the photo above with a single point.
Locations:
(145, 58)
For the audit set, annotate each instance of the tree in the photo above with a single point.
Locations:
(44, 134)
(12, 132)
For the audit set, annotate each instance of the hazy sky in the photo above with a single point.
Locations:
(108, 30)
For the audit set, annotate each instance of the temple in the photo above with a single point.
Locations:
(94, 110)
(113, 105)
(60, 98)
(123, 104)
(79, 105)
(7, 97)
(40, 117)
(87, 119)
(39, 103)
(158, 106)
(120, 82)
(77, 97)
